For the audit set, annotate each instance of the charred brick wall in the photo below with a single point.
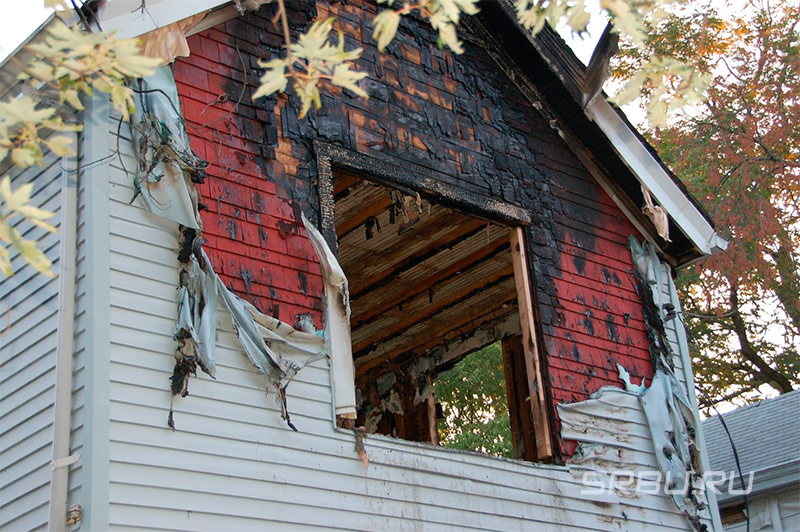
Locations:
(458, 116)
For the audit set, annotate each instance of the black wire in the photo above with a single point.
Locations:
(735, 456)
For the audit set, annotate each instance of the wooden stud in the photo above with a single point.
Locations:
(522, 429)
(538, 400)
(433, 426)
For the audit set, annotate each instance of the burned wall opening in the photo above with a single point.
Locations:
(429, 285)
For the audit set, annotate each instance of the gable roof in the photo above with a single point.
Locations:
(617, 148)
(611, 147)
(766, 435)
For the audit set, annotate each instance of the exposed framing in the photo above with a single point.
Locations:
(533, 363)
(418, 179)
(410, 178)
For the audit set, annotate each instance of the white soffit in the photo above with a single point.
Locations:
(130, 19)
(653, 176)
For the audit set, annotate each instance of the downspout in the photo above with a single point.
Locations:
(62, 422)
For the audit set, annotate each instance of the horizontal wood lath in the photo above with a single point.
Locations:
(417, 270)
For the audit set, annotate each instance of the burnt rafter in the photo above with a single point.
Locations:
(406, 293)
(373, 209)
(460, 327)
(470, 321)
(447, 240)
(455, 298)
(344, 184)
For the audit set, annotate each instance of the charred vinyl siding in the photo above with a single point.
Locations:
(456, 116)
(27, 363)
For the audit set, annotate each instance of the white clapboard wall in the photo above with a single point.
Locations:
(232, 463)
(28, 330)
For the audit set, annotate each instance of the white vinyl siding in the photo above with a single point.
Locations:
(29, 321)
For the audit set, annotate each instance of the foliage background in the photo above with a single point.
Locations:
(473, 397)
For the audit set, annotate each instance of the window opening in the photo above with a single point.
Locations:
(430, 288)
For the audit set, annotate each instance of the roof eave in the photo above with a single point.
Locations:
(654, 177)
(130, 18)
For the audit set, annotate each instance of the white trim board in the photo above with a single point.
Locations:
(652, 175)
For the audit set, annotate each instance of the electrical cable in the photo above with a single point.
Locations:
(735, 455)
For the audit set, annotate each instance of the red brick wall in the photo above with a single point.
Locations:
(457, 115)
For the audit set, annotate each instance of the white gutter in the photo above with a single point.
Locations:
(131, 18)
(653, 176)
(62, 407)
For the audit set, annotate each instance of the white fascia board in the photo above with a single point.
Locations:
(653, 176)
(130, 20)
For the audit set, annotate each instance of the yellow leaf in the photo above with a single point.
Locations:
(60, 145)
(5, 260)
(386, 24)
(23, 157)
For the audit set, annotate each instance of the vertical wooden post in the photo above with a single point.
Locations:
(433, 426)
(523, 435)
(538, 402)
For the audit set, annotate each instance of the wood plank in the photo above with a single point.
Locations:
(464, 231)
(343, 182)
(538, 402)
(423, 345)
(407, 293)
(522, 429)
(374, 209)
(452, 299)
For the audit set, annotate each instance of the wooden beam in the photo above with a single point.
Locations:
(373, 209)
(445, 335)
(449, 239)
(407, 293)
(522, 429)
(343, 182)
(453, 299)
(433, 426)
(538, 402)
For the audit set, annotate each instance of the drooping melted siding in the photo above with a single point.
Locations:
(29, 307)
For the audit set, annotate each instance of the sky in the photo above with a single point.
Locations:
(27, 15)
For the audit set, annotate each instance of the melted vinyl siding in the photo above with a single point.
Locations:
(662, 295)
(233, 464)
(29, 301)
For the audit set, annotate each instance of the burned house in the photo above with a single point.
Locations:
(342, 262)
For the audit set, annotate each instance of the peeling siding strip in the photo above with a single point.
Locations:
(337, 325)
(166, 170)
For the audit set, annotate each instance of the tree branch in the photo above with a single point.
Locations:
(777, 380)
